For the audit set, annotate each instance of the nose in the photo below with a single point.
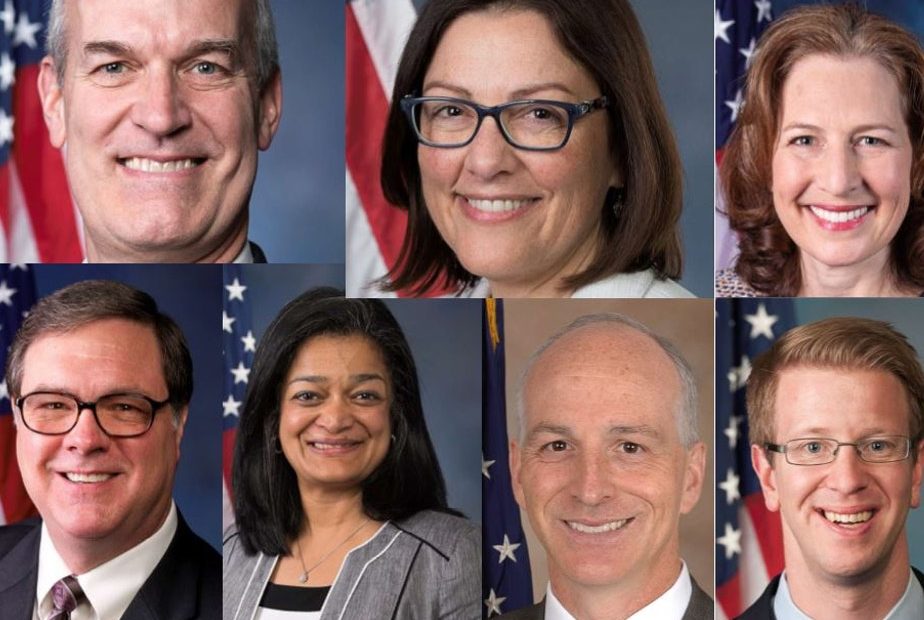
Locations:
(847, 473)
(86, 436)
(489, 154)
(161, 108)
(335, 416)
(594, 480)
(839, 172)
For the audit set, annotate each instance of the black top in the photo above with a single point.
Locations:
(293, 598)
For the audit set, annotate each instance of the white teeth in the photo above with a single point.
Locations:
(149, 165)
(496, 206)
(857, 517)
(330, 446)
(838, 217)
(612, 526)
(74, 477)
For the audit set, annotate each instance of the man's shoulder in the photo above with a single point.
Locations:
(12, 535)
(533, 612)
(762, 609)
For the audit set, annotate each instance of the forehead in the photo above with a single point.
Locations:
(603, 375)
(332, 352)
(494, 51)
(161, 26)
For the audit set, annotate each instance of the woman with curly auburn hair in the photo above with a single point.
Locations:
(824, 173)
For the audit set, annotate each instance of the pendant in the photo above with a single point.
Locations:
(303, 578)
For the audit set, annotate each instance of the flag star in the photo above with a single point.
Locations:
(25, 31)
(250, 343)
(747, 52)
(738, 375)
(6, 128)
(232, 407)
(227, 322)
(506, 550)
(4, 391)
(735, 105)
(235, 290)
(763, 10)
(761, 323)
(6, 294)
(484, 467)
(493, 603)
(721, 27)
(732, 431)
(730, 486)
(731, 541)
(8, 17)
(7, 71)
(241, 373)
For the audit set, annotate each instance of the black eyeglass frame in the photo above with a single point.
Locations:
(81, 405)
(574, 111)
(782, 448)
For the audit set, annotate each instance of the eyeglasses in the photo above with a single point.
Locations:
(118, 415)
(529, 124)
(819, 450)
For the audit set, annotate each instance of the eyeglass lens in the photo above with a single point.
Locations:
(118, 414)
(531, 125)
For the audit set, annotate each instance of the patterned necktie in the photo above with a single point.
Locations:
(66, 594)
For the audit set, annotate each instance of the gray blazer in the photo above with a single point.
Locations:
(700, 607)
(427, 566)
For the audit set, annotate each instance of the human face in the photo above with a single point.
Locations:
(842, 162)
(523, 220)
(160, 122)
(130, 496)
(846, 405)
(334, 426)
(600, 469)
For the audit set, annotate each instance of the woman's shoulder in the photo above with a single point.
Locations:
(636, 284)
(729, 284)
(440, 530)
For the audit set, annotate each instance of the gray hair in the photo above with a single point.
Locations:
(686, 416)
(262, 36)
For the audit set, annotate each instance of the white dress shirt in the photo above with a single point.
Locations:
(111, 586)
(909, 607)
(669, 606)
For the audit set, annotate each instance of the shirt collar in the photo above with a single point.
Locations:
(909, 607)
(111, 586)
(669, 606)
(246, 255)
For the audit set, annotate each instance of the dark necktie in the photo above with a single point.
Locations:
(66, 594)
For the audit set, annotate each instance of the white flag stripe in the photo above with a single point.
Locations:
(365, 262)
(385, 25)
(22, 248)
(752, 570)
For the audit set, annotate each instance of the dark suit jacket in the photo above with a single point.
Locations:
(258, 255)
(762, 609)
(185, 584)
(700, 607)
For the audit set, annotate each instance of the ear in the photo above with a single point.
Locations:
(693, 477)
(767, 477)
(52, 102)
(180, 427)
(514, 458)
(917, 473)
(270, 111)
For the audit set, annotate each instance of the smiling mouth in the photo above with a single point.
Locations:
(839, 216)
(333, 445)
(498, 206)
(842, 518)
(87, 478)
(142, 164)
(603, 528)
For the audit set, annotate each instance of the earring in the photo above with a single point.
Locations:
(615, 196)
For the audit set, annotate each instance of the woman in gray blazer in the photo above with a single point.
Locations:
(339, 499)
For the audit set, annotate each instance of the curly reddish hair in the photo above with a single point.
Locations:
(769, 259)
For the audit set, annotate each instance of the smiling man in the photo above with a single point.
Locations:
(835, 412)
(101, 382)
(159, 109)
(607, 460)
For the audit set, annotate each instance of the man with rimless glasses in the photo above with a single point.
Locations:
(101, 381)
(835, 412)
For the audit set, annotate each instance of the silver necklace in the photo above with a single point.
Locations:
(303, 578)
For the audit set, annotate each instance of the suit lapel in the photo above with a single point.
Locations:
(19, 576)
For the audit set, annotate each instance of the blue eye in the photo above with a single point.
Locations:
(113, 68)
(206, 68)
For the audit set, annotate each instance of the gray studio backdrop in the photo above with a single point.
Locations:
(445, 337)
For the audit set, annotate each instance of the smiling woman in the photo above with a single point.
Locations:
(824, 173)
(530, 147)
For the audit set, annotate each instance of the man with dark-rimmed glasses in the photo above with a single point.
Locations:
(835, 412)
(101, 381)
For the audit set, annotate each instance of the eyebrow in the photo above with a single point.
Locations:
(357, 378)
(618, 430)
(860, 129)
(520, 93)
(226, 47)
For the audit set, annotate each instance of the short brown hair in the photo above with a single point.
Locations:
(605, 38)
(769, 260)
(842, 343)
(85, 302)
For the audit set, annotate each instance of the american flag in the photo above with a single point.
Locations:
(738, 26)
(507, 584)
(17, 294)
(239, 346)
(749, 542)
(39, 223)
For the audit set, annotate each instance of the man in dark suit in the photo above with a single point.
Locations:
(835, 411)
(101, 381)
(607, 459)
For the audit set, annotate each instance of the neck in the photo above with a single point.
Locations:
(100, 250)
(328, 511)
(856, 597)
(871, 278)
(615, 600)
